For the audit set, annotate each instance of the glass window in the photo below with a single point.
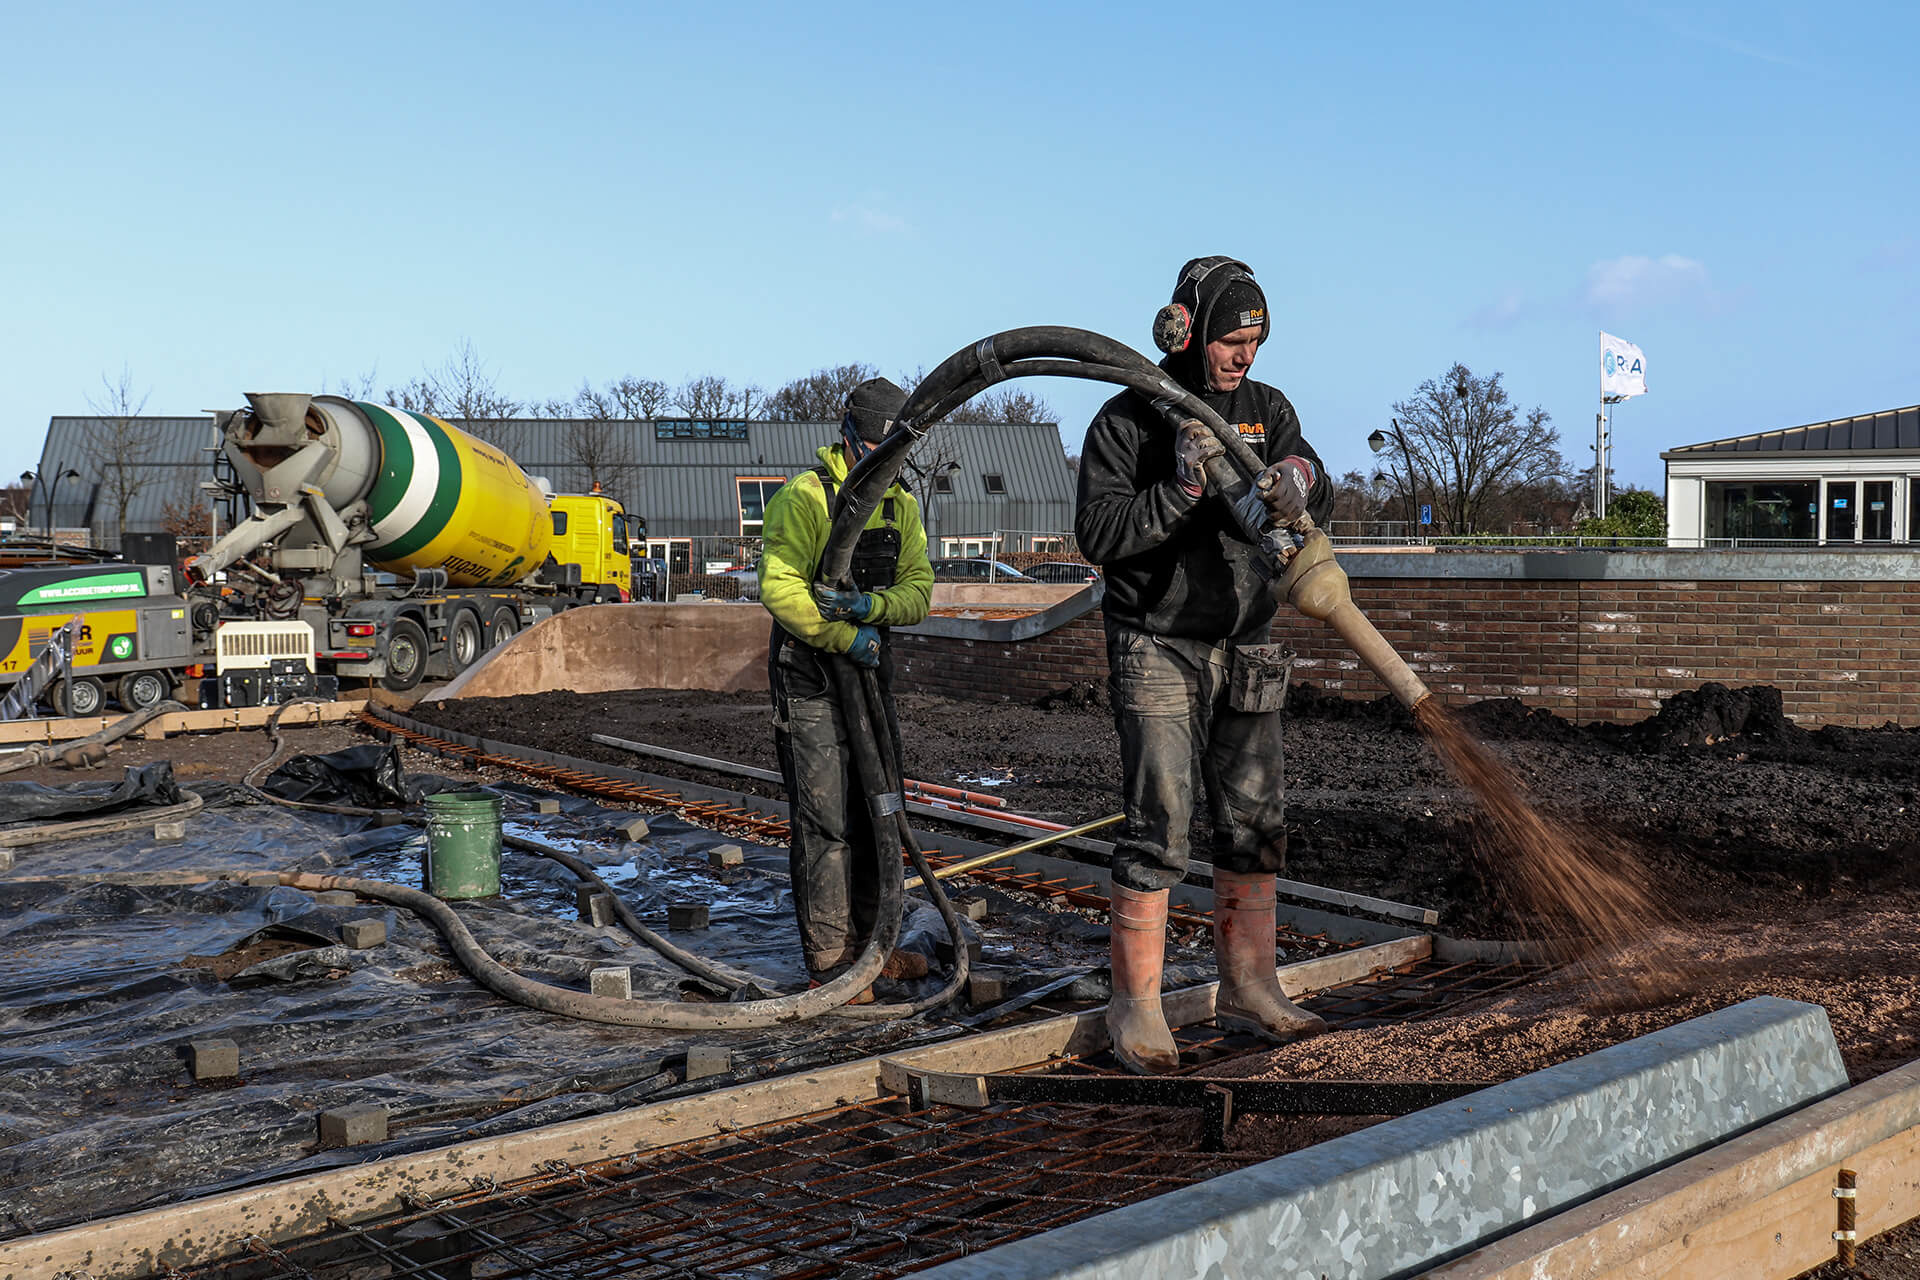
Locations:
(559, 524)
(620, 534)
(943, 482)
(698, 429)
(1913, 508)
(1769, 510)
(1843, 510)
(1876, 511)
(755, 492)
(995, 483)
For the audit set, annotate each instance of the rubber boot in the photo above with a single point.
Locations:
(1250, 997)
(1137, 1027)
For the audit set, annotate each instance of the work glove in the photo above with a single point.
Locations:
(865, 648)
(850, 605)
(1283, 487)
(1192, 446)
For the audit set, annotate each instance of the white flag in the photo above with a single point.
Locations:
(1623, 369)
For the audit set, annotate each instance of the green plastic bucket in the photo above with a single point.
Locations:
(463, 844)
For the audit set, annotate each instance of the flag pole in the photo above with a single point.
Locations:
(1600, 438)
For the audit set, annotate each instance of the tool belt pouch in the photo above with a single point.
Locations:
(1257, 678)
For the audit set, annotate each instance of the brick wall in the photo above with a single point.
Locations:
(1841, 652)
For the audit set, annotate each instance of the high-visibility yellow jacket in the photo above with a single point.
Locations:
(794, 537)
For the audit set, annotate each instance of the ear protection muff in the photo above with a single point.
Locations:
(1174, 326)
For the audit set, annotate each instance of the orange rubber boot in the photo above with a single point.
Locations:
(1135, 1023)
(1250, 997)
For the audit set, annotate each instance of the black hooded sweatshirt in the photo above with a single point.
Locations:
(1177, 565)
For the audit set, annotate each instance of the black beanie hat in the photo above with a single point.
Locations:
(1239, 304)
(872, 408)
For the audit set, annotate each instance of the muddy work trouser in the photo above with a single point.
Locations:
(836, 890)
(1171, 706)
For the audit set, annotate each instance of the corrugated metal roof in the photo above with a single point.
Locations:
(684, 488)
(172, 457)
(1890, 430)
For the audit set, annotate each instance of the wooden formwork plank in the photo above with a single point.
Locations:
(151, 1241)
(1761, 1205)
(15, 732)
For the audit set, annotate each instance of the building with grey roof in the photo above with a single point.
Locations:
(1004, 486)
(1843, 482)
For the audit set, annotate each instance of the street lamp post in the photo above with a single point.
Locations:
(53, 491)
(1378, 441)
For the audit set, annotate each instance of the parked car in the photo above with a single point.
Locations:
(1063, 571)
(976, 569)
(749, 579)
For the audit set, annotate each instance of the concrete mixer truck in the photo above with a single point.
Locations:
(408, 546)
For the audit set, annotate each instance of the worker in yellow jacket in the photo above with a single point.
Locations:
(835, 890)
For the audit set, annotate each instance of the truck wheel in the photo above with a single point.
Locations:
(406, 655)
(505, 624)
(139, 690)
(465, 641)
(89, 697)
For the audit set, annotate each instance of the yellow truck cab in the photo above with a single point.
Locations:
(590, 530)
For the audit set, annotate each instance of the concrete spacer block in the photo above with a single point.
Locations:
(971, 908)
(213, 1059)
(169, 832)
(353, 1125)
(1396, 1198)
(688, 915)
(705, 1060)
(632, 829)
(361, 934)
(614, 981)
(546, 806)
(985, 989)
(596, 908)
(943, 951)
(336, 897)
(6, 859)
(726, 855)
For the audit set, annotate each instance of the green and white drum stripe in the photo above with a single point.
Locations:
(444, 499)
(419, 483)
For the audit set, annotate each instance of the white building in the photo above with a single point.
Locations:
(1846, 482)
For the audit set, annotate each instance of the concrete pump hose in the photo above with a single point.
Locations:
(699, 966)
(888, 750)
(44, 752)
(568, 1003)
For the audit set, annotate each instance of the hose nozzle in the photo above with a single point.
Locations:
(1316, 585)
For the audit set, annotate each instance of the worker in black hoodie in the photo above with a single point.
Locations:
(1185, 588)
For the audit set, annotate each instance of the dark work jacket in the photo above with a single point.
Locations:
(1176, 565)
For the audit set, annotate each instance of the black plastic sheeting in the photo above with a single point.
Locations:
(101, 994)
(34, 802)
(366, 776)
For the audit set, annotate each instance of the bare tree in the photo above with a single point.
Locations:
(463, 391)
(16, 504)
(354, 388)
(1005, 404)
(711, 396)
(118, 447)
(1361, 499)
(1471, 449)
(186, 515)
(821, 396)
(625, 399)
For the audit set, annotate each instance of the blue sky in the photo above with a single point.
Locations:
(224, 199)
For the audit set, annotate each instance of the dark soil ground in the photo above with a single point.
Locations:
(1733, 811)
